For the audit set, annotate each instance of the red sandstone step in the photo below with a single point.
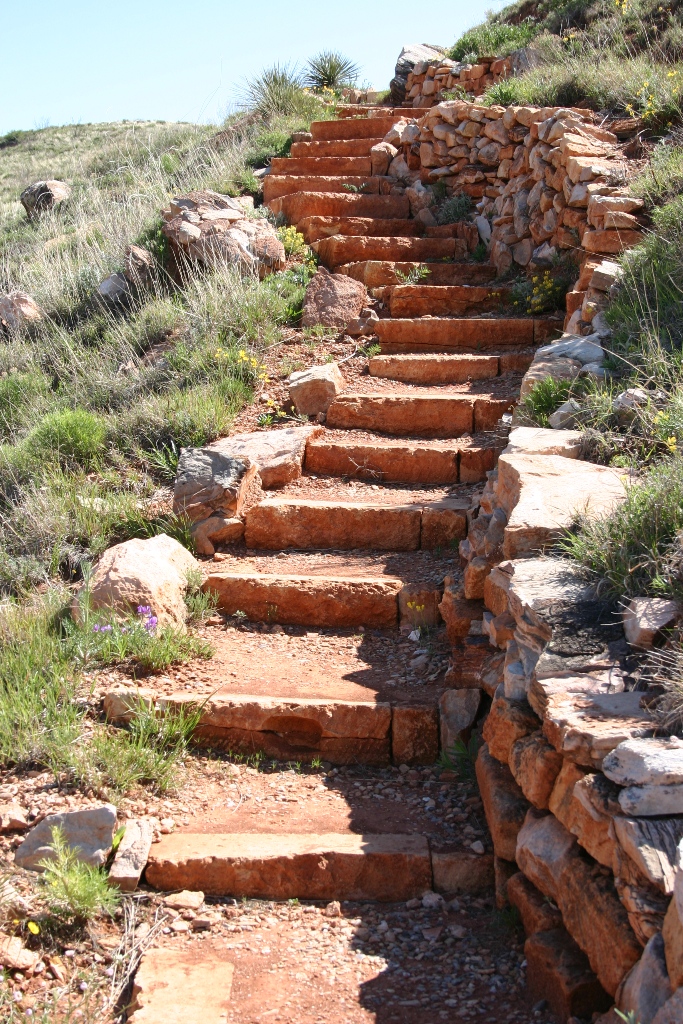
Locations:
(324, 165)
(337, 147)
(344, 866)
(370, 110)
(378, 273)
(433, 334)
(276, 185)
(296, 205)
(434, 368)
(315, 228)
(355, 454)
(418, 412)
(352, 128)
(340, 249)
(444, 300)
(383, 525)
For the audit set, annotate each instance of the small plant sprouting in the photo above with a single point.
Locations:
(75, 891)
(413, 276)
(461, 758)
(455, 209)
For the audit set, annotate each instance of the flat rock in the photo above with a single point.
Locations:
(651, 844)
(151, 572)
(130, 858)
(651, 801)
(12, 818)
(14, 955)
(645, 617)
(345, 866)
(313, 390)
(584, 350)
(559, 973)
(504, 803)
(209, 482)
(457, 712)
(184, 900)
(170, 984)
(543, 494)
(537, 912)
(332, 300)
(586, 726)
(541, 441)
(89, 833)
(646, 762)
(646, 987)
(277, 454)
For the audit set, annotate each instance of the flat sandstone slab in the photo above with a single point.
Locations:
(172, 984)
(315, 867)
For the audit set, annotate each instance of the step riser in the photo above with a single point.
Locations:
(305, 527)
(416, 417)
(402, 464)
(340, 147)
(261, 866)
(379, 273)
(277, 185)
(457, 300)
(362, 128)
(316, 228)
(341, 249)
(306, 601)
(324, 165)
(452, 335)
(297, 205)
(415, 369)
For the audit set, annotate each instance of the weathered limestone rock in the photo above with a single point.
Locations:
(650, 801)
(643, 762)
(171, 983)
(651, 844)
(130, 859)
(507, 722)
(187, 899)
(17, 310)
(646, 987)
(589, 815)
(277, 454)
(208, 481)
(585, 726)
(537, 912)
(314, 390)
(542, 496)
(535, 766)
(457, 711)
(458, 871)
(89, 833)
(504, 804)
(672, 933)
(496, 587)
(560, 973)
(332, 300)
(44, 195)
(645, 617)
(540, 441)
(151, 572)
(500, 628)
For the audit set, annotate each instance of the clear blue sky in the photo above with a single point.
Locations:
(87, 60)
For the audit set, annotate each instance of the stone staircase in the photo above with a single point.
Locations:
(396, 469)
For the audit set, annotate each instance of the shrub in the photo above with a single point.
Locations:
(544, 398)
(19, 395)
(330, 70)
(491, 39)
(74, 891)
(454, 209)
(73, 437)
(277, 90)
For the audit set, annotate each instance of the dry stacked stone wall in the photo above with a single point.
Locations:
(428, 81)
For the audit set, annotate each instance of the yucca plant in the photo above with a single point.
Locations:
(277, 90)
(330, 70)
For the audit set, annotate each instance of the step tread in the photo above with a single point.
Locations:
(379, 273)
(323, 165)
(296, 205)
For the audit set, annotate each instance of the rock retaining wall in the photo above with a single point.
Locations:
(429, 80)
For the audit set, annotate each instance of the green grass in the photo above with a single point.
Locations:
(492, 39)
(74, 892)
(543, 399)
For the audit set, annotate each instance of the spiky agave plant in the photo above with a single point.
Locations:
(330, 70)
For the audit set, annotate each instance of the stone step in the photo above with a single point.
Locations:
(419, 412)
(276, 185)
(340, 249)
(361, 456)
(379, 273)
(435, 367)
(352, 128)
(445, 300)
(434, 334)
(315, 228)
(322, 165)
(391, 522)
(344, 866)
(296, 205)
(370, 110)
(336, 147)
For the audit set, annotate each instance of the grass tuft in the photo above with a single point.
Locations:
(75, 892)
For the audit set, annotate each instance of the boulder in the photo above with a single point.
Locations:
(410, 55)
(18, 310)
(151, 572)
(130, 859)
(381, 156)
(457, 712)
(208, 481)
(332, 300)
(213, 230)
(645, 617)
(312, 391)
(44, 195)
(646, 987)
(89, 833)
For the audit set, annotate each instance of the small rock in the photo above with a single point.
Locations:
(185, 900)
(332, 300)
(565, 417)
(138, 266)
(12, 818)
(114, 289)
(17, 309)
(645, 617)
(477, 847)
(209, 482)
(180, 926)
(130, 859)
(14, 955)
(333, 909)
(431, 900)
(44, 195)
(313, 390)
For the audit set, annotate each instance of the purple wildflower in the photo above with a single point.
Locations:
(151, 622)
(144, 609)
